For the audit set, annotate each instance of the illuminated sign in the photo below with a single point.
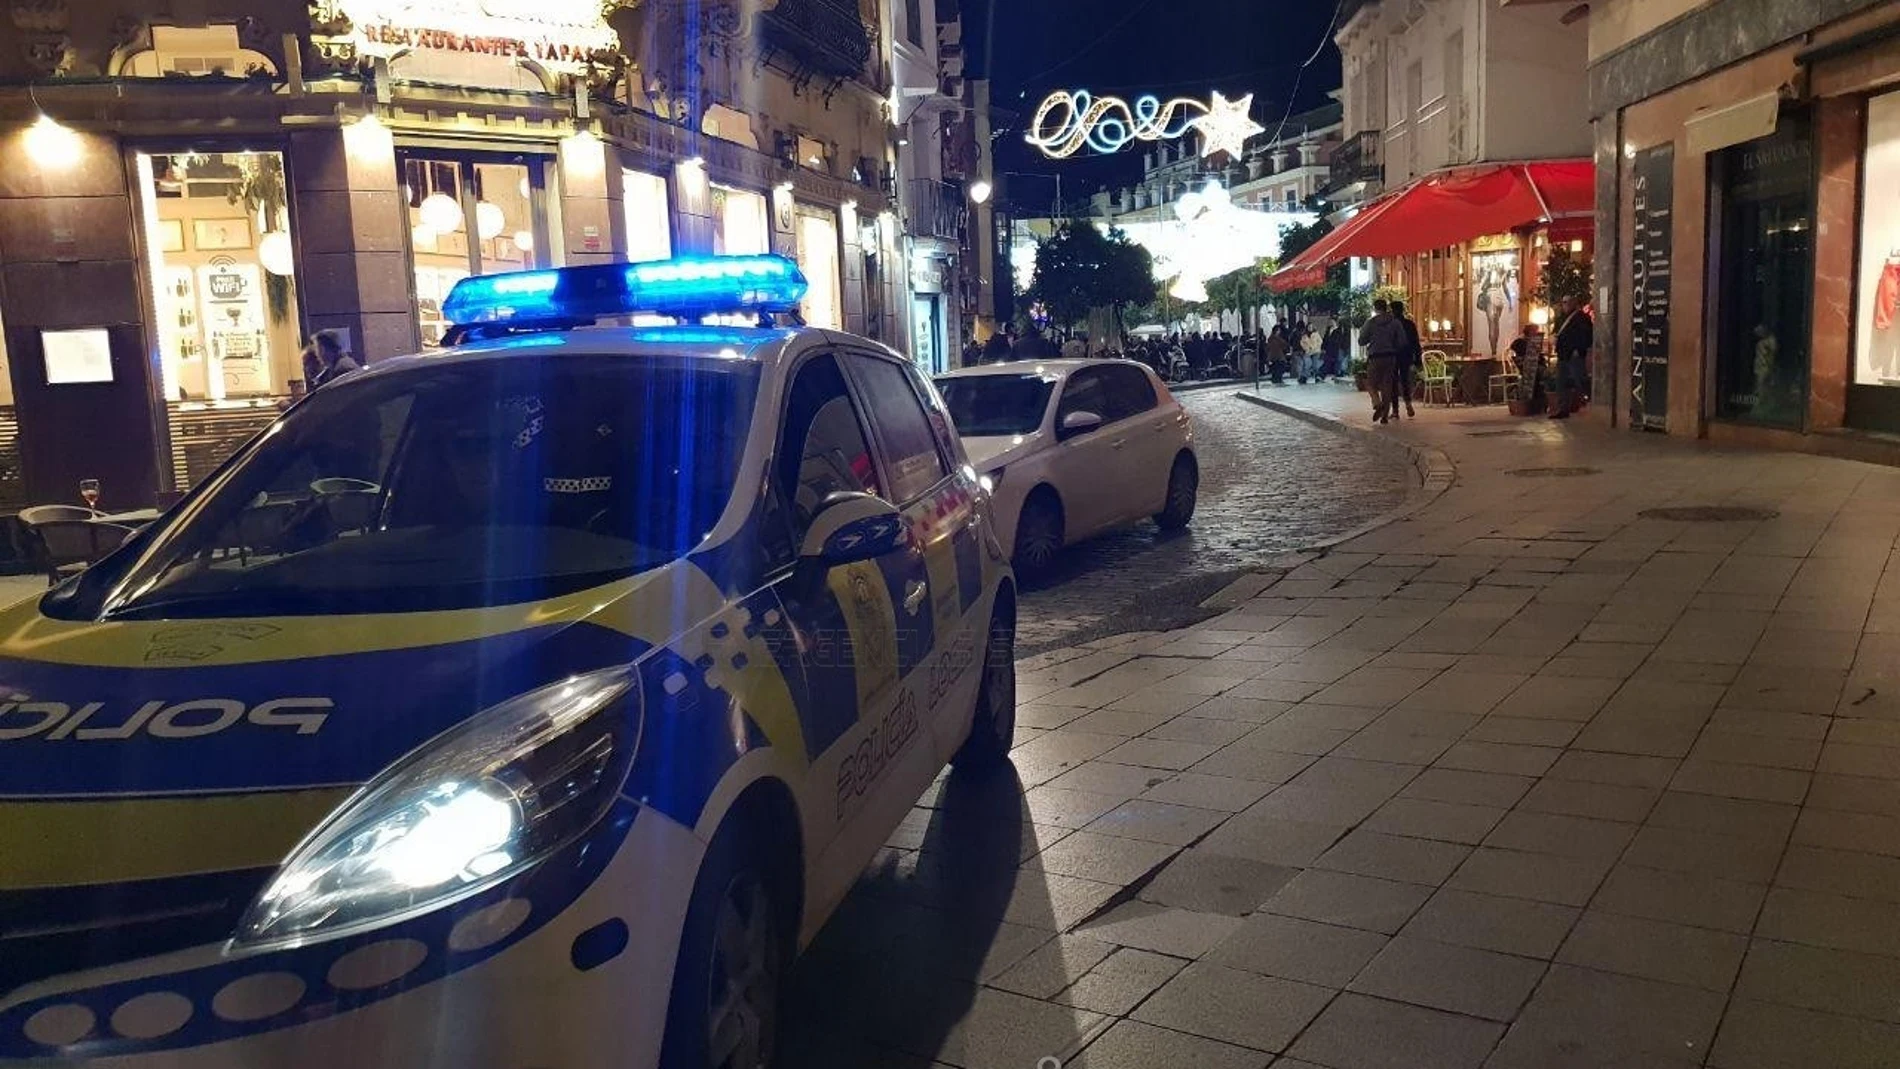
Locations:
(1070, 121)
(559, 34)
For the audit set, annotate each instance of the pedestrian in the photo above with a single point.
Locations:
(334, 355)
(1575, 338)
(1075, 348)
(1385, 340)
(1278, 349)
(972, 353)
(1312, 364)
(1034, 345)
(1337, 344)
(996, 347)
(1411, 363)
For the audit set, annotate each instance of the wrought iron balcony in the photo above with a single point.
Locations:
(935, 209)
(817, 39)
(1361, 158)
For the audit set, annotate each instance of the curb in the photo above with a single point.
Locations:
(1436, 472)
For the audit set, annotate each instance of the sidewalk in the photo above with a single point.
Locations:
(1535, 778)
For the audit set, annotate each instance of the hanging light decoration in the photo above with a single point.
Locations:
(275, 254)
(489, 220)
(441, 213)
(524, 240)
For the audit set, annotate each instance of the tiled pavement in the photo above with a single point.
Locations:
(1528, 781)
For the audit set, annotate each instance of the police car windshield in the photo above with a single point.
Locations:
(985, 406)
(456, 485)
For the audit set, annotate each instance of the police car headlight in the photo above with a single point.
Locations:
(466, 810)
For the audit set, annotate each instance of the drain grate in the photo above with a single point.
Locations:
(1710, 514)
(1551, 473)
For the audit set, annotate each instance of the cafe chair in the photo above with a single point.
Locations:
(1503, 386)
(66, 547)
(1437, 376)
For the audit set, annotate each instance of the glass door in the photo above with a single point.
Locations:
(1765, 264)
(471, 215)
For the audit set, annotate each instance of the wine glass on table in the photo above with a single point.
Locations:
(89, 490)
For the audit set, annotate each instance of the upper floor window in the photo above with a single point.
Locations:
(191, 52)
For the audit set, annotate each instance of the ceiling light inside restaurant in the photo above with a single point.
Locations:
(489, 220)
(441, 213)
(524, 240)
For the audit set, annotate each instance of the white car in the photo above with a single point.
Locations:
(525, 704)
(1072, 448)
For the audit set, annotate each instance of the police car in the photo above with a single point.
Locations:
(523, 705)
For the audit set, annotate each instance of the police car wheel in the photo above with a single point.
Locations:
(1038, 532)
(1184, 485)
(724, 1011)
(993, 730)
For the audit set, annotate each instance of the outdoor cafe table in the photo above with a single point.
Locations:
(1471, 377)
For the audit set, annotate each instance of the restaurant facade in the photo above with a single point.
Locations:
(1749, 273)
(192, 192)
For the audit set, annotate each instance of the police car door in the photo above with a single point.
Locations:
(862, 724)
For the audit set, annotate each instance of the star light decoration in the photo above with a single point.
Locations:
(1227, 126)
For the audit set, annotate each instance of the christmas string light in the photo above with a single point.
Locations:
(1069, 121)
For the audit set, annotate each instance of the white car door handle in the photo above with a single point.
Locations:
(914, 595)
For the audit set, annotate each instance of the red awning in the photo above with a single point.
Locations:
(1448, 208)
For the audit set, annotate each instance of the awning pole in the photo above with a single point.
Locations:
(1542, 204)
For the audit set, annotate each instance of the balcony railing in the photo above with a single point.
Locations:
(936, 209)
(824, 37)
(1361, 158)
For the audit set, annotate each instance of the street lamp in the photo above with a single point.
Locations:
(980, 191)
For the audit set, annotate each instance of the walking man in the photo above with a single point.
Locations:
(1411, 362)
(1385, 341)
(1575, 338)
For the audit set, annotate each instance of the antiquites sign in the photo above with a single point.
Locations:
(559, 34)
(1652, 244)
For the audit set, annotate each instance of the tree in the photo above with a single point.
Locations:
(1080, 269)
(1564, 276)
(1334, 295)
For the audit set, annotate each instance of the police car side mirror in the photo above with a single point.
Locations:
(1078, 423)
(853, 527)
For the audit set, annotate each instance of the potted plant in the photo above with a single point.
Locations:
(1358, 367)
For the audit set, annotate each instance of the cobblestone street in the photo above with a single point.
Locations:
(1269, 483)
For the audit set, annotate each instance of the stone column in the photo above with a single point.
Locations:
(589, 203)
(67, 223)
(851, 273)
(349, 221)
(692, 210)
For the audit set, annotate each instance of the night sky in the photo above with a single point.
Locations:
(1131, 47)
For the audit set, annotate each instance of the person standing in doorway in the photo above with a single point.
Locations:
(1385, 341)
(1411, 362)
(1575, 338)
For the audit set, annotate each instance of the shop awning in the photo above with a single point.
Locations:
(1448, 208)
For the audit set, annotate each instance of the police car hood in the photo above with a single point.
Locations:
(153, 774)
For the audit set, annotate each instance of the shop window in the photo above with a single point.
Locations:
(739, 222)
(1763, 207)
(191, 52)
(649, 226)
(1873, 401)
(471, 216)
(222, 269)
(818, 257)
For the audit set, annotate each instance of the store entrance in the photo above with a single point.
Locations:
(471, 214)
(222, 267)
(1764, 205)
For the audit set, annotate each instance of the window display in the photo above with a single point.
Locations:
(649, 228)
(470, 216)
(1877, 339)
(739, 222)
(818, 258)
(223, 274)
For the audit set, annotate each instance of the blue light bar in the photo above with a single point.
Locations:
(685, 289)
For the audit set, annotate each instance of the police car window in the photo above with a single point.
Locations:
(823, 449)
(896, 409)
(486, 482)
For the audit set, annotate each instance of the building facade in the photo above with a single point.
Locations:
(1749, 267)
(195, 186)
(1435, 89)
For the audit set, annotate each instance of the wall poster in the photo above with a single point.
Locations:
(1497, 304)
(1651, 250)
